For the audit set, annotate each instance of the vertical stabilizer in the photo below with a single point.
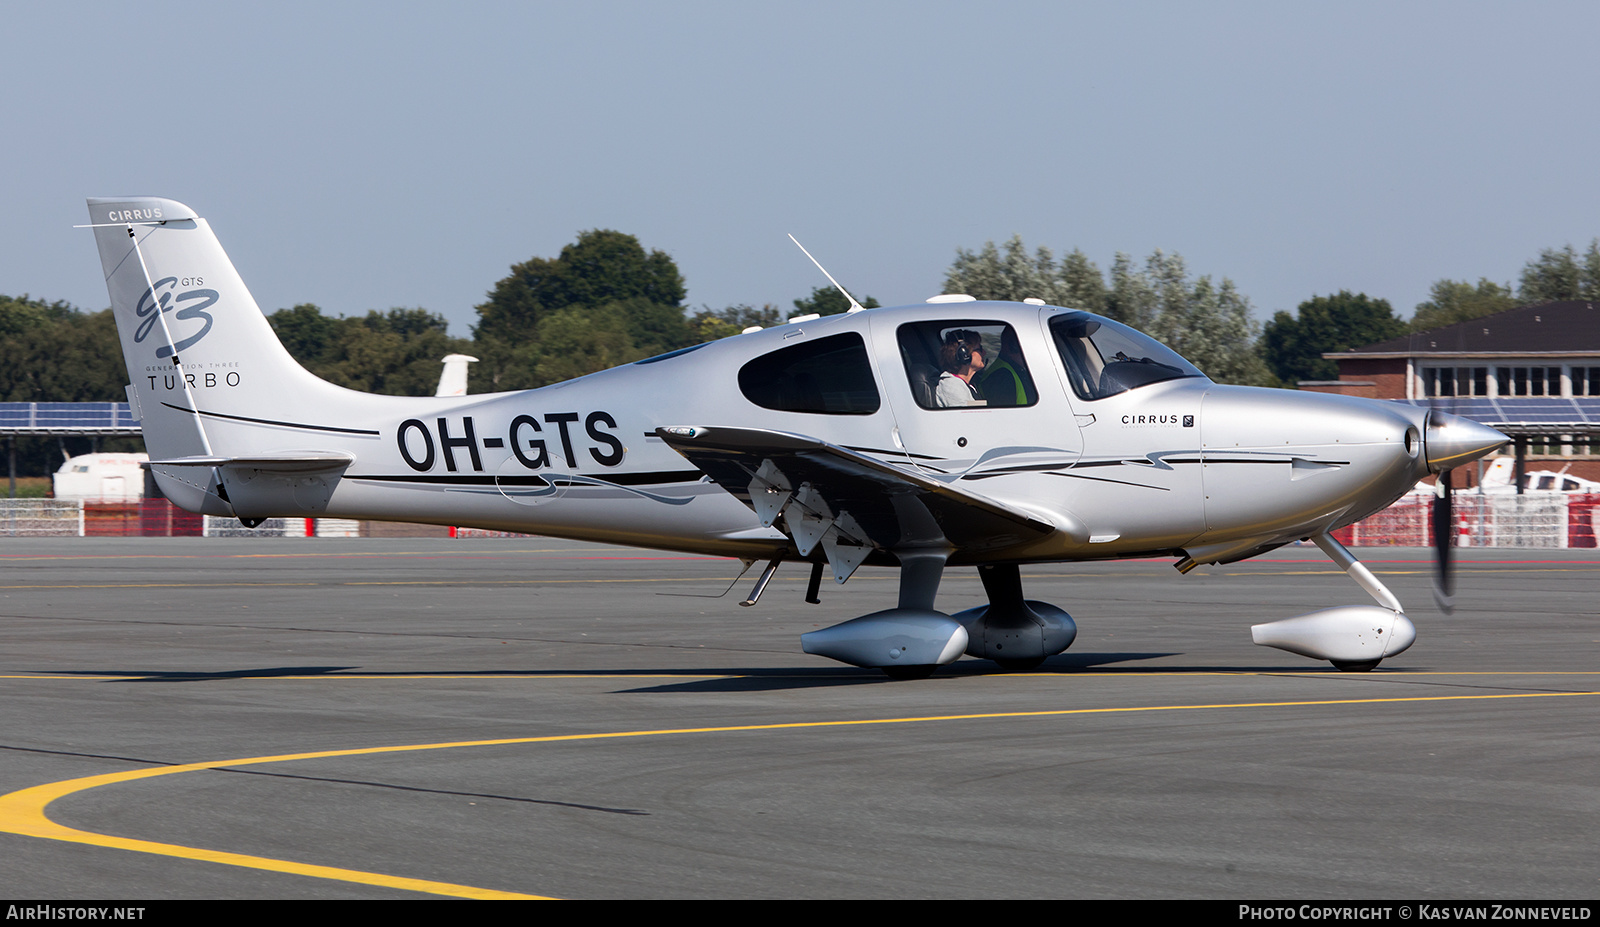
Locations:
(453, 381)
(207, 370)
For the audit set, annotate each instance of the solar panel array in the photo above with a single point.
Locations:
(67, 418)
(1576, 414)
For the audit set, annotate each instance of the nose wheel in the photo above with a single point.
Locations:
(1355, 666)
(1354, 638)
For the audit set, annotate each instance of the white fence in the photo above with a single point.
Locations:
(487, 533)
(160, 518)
(220, 527)
(1536, 519)
(40, 518)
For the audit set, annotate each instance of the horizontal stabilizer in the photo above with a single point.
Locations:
(297, 463)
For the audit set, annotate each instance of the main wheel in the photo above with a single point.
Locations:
(1355, 666)
(922, 671)
(1018, 664)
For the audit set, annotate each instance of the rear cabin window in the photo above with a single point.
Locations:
(955, 364)
(828, 376)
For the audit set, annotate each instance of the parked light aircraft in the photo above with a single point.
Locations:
(1501, 475)
(839, 441)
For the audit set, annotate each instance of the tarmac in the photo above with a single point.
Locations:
(406, 718)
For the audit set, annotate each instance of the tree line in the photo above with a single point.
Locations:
(605, 300)
(53, 352)
(1209, 322)
(1293, 345)
(1206, 321)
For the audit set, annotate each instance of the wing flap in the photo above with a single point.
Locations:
(831, 495)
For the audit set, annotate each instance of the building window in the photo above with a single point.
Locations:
(1586, 381)
(1564, 445)
(1455, 381)
(1529, 381)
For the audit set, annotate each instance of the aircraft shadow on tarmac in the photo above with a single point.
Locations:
(707, 679)
(809, 675)
(769, 679)
(271, 672)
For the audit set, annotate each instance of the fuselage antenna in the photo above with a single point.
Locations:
(854, 306)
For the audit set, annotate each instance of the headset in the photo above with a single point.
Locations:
(967, 343)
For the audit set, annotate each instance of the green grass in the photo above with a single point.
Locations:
(29, 487)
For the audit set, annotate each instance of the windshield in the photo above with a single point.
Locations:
(1104, 358)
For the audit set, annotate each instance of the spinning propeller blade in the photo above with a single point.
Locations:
(1444, 583)
(1451, 440)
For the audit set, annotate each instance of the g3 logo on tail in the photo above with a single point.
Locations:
(150, 307)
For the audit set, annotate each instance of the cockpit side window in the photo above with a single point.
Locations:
(965, 363)
(1104, 358)
(829, 376)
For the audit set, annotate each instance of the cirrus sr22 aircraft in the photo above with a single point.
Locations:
(833, 440)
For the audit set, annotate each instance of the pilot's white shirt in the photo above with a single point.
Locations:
(951, 390)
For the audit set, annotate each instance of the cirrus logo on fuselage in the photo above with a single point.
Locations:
(1187, 421)
(164, 297)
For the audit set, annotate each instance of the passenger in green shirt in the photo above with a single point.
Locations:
(1005, 381)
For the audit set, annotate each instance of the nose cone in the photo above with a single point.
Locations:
(1452, 440)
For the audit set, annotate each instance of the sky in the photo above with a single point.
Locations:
(371, 155)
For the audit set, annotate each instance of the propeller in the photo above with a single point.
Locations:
(1450, 440)
(1444, 535)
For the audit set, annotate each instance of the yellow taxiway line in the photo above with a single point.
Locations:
(23, 812)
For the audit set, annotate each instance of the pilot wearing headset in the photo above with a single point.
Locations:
(960, 359)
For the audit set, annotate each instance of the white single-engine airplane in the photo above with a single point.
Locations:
(951, 433)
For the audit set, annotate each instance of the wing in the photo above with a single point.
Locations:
(850, 503)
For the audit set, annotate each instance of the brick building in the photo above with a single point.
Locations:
(1533, 372)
